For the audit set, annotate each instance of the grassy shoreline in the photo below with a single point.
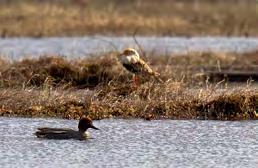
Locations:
(166, 18)
(99, 87)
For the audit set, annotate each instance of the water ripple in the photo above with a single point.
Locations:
(132, 143)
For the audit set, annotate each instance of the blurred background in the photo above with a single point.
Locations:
(37, 18)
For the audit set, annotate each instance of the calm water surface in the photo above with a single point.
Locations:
(132, 143)
(16, 48)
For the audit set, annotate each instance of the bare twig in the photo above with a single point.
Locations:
(143, 53)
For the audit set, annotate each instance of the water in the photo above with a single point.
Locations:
(17, 48)
(132, 143)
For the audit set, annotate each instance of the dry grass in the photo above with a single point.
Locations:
(147, 17)
(101, 88)
(169, 101)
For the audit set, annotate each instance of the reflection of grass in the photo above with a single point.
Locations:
(119, 18)
(101, 88)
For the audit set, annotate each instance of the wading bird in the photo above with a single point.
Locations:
(131, 61)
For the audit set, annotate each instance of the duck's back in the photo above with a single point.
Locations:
(59, 133)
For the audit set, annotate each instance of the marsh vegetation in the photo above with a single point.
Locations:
(100, 87)
(123, 17)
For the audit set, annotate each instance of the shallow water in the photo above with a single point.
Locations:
(17, 48)
(132, 143)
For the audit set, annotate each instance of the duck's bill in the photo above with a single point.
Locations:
(94, 127)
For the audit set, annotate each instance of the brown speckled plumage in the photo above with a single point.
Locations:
(132, 62)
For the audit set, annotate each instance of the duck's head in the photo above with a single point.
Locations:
(130, 52)
(86, 123)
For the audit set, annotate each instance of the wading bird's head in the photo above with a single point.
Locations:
(129, 55)
(130, 52)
